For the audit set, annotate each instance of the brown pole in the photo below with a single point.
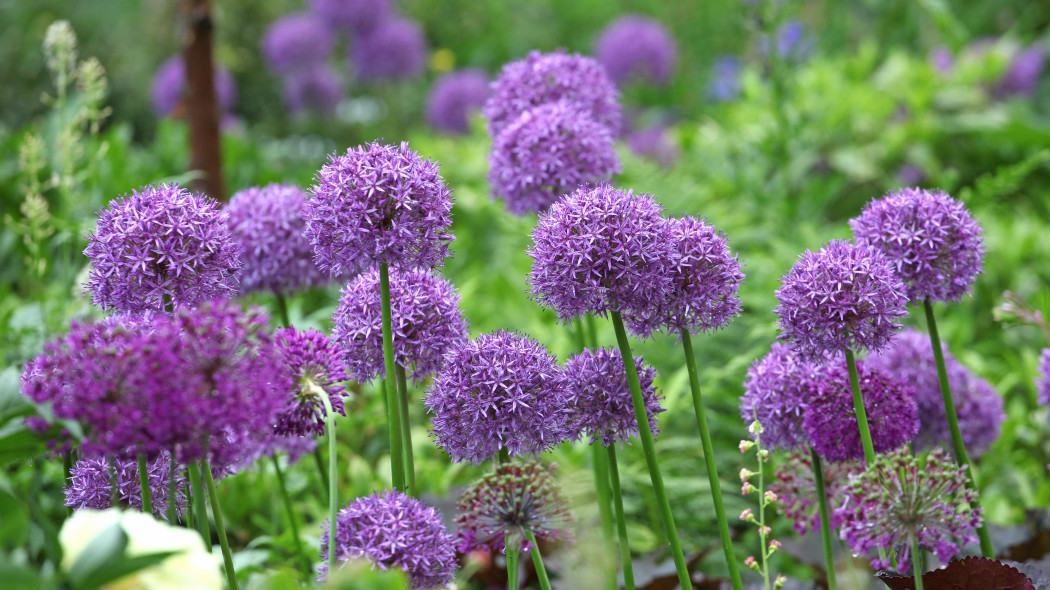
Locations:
(202, 106)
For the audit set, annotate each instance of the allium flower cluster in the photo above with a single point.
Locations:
(378, 204)
(499, 391)
(91, 485)
(724, 84)
(393, 530)
(426, 320)
(900, 497)
(601, 408)
(395, 49)
(267, 224)
(548, 151)
(778, 388)
(1042, 383)
(354, 16)
(314, 88)
(843, 297)
(928, 237)
(169, 87)
(796, 489)
(1022, 76)
(455, 97)
(296, 40)
(654, 143)
(161, 245)
(314, 368)
(636, 47)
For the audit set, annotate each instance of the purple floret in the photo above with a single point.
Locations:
(454, 98)
(636, 47)
(91, 486)
(353, 16)
(601, 400)
(296, 40)
(395, 49)
(777, 391)
(169, 87)
(313, 361)
(314, 88)
(724, 84)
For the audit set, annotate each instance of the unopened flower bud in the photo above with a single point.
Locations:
(746, 445)
(755, 428)
(773, 546)
(765, 530)
(747, 515)
(747, 488)
(763, 455)
(751, 562)
(770, 496)
(745, 474)
(779, 582)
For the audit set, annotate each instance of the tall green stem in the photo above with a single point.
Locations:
(200, 510)
(147, 498)
(646, 436)
(511, 548)
(114, 490)
(915, 569)
(858, 409)
(282, 309)
(604, 497)
(213, 496)
(592, 330)
(621, 519)
(173, 509)
(825, 519)
(393, 417)
(537, 560)
(319, 461)
(406, 428)
(292, 521)
(67, 466)
(333, 480)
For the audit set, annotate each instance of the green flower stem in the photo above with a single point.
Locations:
(579, 335)
(213, 496)
(282, 309)
(502, 457)
(858, 409)
(393, 416)
(709, 458)
(173, 512)
(147, 500)
(825, 519)
(915, 569)
(537, 560)
(292, 521)
(189, 505)
(511, 548)
(961, 457)
(67, 466)
(621, 519)
(200, 510)
(319, 461)
(406, 429)
(592, 330)
(114, 491)
(333, 479)
(604, 497)
(646, 436)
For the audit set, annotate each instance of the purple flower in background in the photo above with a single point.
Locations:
(724, 84)
(455, 97)
(547, 152)
(315, 368)
(792, 42)
(601, 408)
(541, 78)
(654, 143)
(235, 455)
(426, 319)
(296, 40)
(796, 489)
(161, 246)
(169, 87)
(354, 16)
(91, 486)
(1022, 76)
(394, 50)
(636, 47)
(393, 530)
(314, 88)
(942, 60)
(910, 175)
(500, 391)
(1042, 383)
(930, 239)
(777, 390)
(378, 204)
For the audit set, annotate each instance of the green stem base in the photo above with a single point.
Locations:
(537, 561)
(621, 520)
(825, 519)
(213, 496)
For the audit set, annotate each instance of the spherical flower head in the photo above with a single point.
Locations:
(831, 424)
(426, 323)
(1022, 76)
(169, 87)
(315, 88)
(1042, 383)
(395, 49)
(454, 98)
(909, 358)
(499, 391)
(378, 204)
(900, 497)
(843, 297)
(513, 499)
(393, 530)
(777, 390)
(315, 369)
(296, 40)
(90, 484)
(602, 408)
(654, 143)
(541, 78)
(929, 238)
(354, 16)
(267, 225)
(796, 489)
(636, 47)
(161, 245)
(724, 84)
(550, 150)
(598, 250)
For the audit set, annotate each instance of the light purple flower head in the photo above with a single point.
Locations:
(314, 88)
(724, 84)
(843, 297)
(393, 530)
(91, 486)
(296, 40)
(792, 43)
(1022, 76)
(1042, 383)
(313, 363)
(395, 49)
(601, 400)
(930, 239)
(169, 87)
(550, 150)
(378, 204)
(549, 77)
(499, 391)
(353, 16)
(911, 174)
(777, 391)
(654, 143)
(455, 97)
(426, 317)
(636, 47)
(796, 489)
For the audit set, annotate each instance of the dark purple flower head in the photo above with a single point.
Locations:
(598, 250)
(796, 489)
(636, 47)
(426, 318)
(549, 77)
(455, 97)
(1042, 383)
(91, 486)
(724, 84)
(296, 40)
(601, 400)
(499, 391)
(394, 50)
(378, 204)
(393, 530)
(1022, 76)
(654, 143)
(777, 391)
(162, 244)
(315, 369)
(843, 297)
(353, 16)
(549, 151)
(268, 226)
(909, 358)
(929, 238)
(169, 87)
(512, 499)
(314, 88)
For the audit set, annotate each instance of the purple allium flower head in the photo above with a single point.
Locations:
(499, 391)
(90, 484)
(909, 358)
(426, 318)
(393, 530)
(601, 400)
(843, 297)
(394, 50)
(725, 79)
(354, 16)
(601, 249)
(315, 367)
(900, 497)
(378, 204)
(169, 87)
(455, 97)
(792, 43)
(267, 224)
(513, 498)
(162, 244)
(1042, 383)
(636, 47)
(654, 143)
(777, 390)
(831, 424)
(549, 77)
(796, 489)
(296, 40)
(314, 88)
(1022, 76)
(930, 239)
(550, 150)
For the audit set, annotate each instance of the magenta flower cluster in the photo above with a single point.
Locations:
(91, 484)
(455, 97)
(312, 361)
(601, 407)
(634, 47)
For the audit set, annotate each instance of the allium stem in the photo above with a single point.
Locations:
(200, 510)
(961, 457)
(319, 461)
(592, 330)
(646, 436)
(406, 429)
(333, 493)
(213, 496)
(282, 308)
(858, 409)
(292, 521)
(397, 467)
(915, 569)
(511, 549)
(114, 491)
(825, 519)
(604, 496)
(67, 466)
(580, 334)
(709, 459)
(173, 470)
(621, 519)
(537, 560)
(147, 499)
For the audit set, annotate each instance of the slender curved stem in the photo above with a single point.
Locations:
(915, 569)
(511, 548)
(621, 519)
(282, 309)
(213, 496)
(406, 429)
(825, 519)
(292, 521)
(333, 493)
(319, 461)
(604, 497)
(173, 471)
(200, 510)
(858, 408)
(147, 498)
(537, 560)
(397, 467)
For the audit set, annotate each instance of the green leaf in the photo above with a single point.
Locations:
(120, 567)
(18, 442)
(106, 547)
(12, 403)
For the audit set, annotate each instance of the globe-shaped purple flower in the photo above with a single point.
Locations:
(500, 391)
(601, 249)
(393, 530)
(169, 87)
(426, 320)
(724, 84)
(843, 297)
(378, 204)
(267, 224)
(777, 391)
(161, 247)
(601, 399)
(354, 16)
(929, 238)
(315, 368)
(91, 485)
(636, 47)
(547, 152)
(296, 40)
(541, 78)
(454, 98)
(315, 88)
(654, 143)
(394, 50)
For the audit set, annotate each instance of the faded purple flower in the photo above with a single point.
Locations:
(792, 43)
(233, 455)
(1022, 76)
(315, 369)
(91, 485)
(455, 97)
(724, 84)
(296, 40)
(636, 47)
(601, 408)
(314, 88)
(1042, 383)
(777, 391)
(654, 143)
(910, 175)
(942, 59)
(354, 16)
(394, 50)
(169, 87)
(796, 489)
